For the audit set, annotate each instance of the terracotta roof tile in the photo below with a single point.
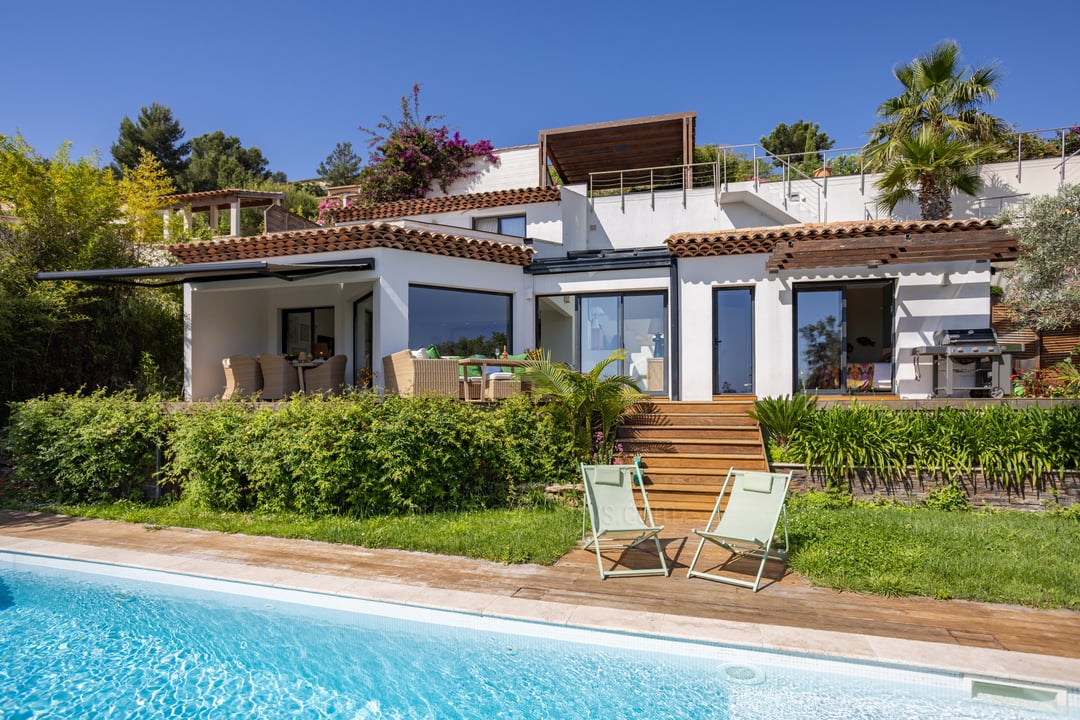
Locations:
(843, 244)
(351, 237)
(763, 239)
(448, 203)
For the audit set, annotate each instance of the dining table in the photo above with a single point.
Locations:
(484, 364)
(302, 365)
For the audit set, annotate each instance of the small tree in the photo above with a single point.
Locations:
(410, 155)
(590, 405)
(63, 335)
(1044, 285)
(341, 166)
(141, 190)
(801, 139)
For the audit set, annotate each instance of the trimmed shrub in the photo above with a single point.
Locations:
(364, 455)
(71, 448)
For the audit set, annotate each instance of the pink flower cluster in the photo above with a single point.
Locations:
(328, 208)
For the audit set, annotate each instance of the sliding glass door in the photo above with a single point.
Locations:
(583, 330)
(819, 319)
(844, 337)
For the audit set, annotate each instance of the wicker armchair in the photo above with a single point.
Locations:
(280, 378)
(329, 377)
(406, 375)
(243, 377)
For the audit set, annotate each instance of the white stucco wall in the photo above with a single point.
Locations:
(646, 220)
(518, 167)
(244, 317)
(697, 279)
(398, 269)
(922, 304)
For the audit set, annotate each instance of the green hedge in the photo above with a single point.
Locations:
(358, 455)
(73, 448)
(1009, 444)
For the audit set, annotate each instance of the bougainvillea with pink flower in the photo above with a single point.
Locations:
(410, 155)
(328, 207)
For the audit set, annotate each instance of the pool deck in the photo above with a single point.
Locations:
(1000, 641)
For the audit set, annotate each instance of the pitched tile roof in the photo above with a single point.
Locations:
(448, 203)
(351, 237)
(854, 243)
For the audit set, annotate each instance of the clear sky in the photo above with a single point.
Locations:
(294, 78)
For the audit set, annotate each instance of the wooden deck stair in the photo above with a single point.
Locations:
(688, 447)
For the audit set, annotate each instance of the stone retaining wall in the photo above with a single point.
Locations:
(1063, 487)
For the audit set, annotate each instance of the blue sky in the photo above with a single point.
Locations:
(294, 81)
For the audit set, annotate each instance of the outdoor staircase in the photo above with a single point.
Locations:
(687, 449)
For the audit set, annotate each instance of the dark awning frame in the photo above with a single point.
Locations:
(164, 276)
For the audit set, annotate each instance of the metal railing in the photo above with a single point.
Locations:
(753, 163)
(730, 166)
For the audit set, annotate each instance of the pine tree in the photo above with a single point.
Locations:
(158, 133)
(341, 166)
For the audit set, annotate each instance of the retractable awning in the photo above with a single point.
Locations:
(161, 276)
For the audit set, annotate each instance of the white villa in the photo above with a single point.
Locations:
(712, 287)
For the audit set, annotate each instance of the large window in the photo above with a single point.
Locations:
(513, 225)
(308, 330)
(459, 322)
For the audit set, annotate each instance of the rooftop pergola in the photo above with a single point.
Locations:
(657, 141)
(214, 201)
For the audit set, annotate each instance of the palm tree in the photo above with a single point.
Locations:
(591, 404)
(929, 166)
(939, 110)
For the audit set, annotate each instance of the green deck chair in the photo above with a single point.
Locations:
(747, 525)
(616, 521)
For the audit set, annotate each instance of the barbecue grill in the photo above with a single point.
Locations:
(966, 360)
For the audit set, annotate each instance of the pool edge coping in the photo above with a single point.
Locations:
(1007, 665)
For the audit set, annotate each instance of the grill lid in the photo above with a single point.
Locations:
(965, 336)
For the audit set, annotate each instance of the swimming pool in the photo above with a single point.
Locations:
(88, 640)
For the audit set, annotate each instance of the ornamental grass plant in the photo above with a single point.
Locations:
(1009, 445)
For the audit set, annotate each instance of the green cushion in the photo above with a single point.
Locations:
(432, 352)
(473, 370)
(516, 370)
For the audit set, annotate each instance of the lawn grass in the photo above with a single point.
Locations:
(1001, 557)
(998, 557)
(533, 535)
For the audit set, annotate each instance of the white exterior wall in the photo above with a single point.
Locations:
(646, 220)
(518, 167)
(244, 317)
(698, 277)
(922, 305)
(397, 269)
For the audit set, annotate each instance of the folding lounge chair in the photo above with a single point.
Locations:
(746, 526)
(616, 521)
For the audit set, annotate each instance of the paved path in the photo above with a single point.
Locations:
(1000, 640)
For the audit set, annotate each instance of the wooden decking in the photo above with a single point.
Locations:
(687, 448)
(787, 603)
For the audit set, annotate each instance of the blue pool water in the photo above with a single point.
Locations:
(85, 645)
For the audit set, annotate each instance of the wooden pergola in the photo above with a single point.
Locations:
(993, 244)
(847, 244)
(656, 141)
(214, 201)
